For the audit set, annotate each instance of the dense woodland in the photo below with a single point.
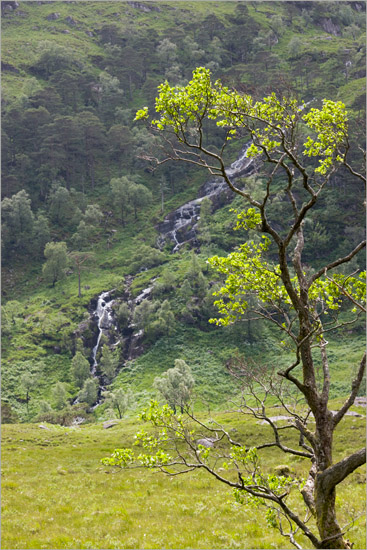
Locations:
(84, 210)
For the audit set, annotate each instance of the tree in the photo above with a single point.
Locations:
(41, 234)
(89, 392)
(17, 221)
(204, 221)
(60, 395)
(94, 141)
(56, 262)
(302, 147)
(79, 259)
(119, 188)
(29, 382)
(108, 363)
(118, 399)
(81, 368)
(175, 385)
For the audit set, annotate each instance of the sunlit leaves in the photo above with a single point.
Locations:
(271, 122)
(330, 124)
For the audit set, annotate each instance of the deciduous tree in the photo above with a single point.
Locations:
(119, 399)
(175, 385)
(81, 368)
(303, 147)
(56, 262)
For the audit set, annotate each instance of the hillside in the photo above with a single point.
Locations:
(161, 318)
(74, 73)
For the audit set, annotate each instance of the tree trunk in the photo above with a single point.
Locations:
(79, 287)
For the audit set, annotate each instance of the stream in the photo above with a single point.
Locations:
(180, 226)
(103, 313)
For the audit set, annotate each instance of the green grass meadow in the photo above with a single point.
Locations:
(57, 494)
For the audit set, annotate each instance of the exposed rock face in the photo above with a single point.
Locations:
(8, 6)
(180, 226)
(87, 331)
(9, 68)
(70, 21)
(330, 27)
(143, 7)
(207, 442)
(359, 6)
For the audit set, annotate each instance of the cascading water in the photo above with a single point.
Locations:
(180, 226)
(104, 315)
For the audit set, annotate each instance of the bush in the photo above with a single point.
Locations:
(8, 416)
(76, 414)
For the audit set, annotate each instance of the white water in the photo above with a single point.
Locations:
(184, 219)
(104, 314)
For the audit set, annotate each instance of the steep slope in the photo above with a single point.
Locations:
(73, 75)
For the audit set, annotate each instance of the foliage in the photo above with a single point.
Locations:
(176, 384)
(89, 392)
(81, 368)
(108, 363)
(286, 293)
(56, 261)
(119, 399)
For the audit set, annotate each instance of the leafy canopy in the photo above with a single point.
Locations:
(181, 108)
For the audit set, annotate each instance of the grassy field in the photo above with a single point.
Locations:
(56, 494)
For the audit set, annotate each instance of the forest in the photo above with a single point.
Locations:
(183, 225)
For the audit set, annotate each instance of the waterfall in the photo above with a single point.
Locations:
(180, 226)
(104, 315)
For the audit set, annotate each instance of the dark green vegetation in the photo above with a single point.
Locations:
(73, 77)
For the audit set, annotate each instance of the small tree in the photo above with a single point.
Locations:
(89, 392)
(175, 385)
(108, 363)
(119, 399)
(79, 259)
(29, 382)
(56, 262)
(81, 368)
(60, 395)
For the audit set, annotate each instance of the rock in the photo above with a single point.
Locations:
(330, 27)
(358, 6)
(8, 6)
(277, 418)
(206, 442)
(7, 67)
(89, 33)
(109, 424)
(65, 32)
(143, 7)
(70, 21)
(43, 427)
(53, 16)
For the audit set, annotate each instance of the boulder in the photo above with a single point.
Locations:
(70, 21)
(109, 424)
(53, 16)
(206, 442)
(330, 27)
(143, 7)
